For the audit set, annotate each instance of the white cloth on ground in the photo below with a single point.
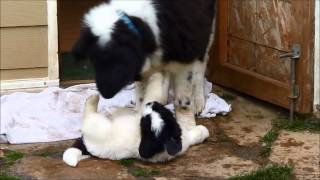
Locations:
(55, 114)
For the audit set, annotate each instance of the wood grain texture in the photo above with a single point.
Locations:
(243, 18)
(23, 13)
(269, 65)
(13, 74)
(24, 47)
(242, 54)
(253, 66)
(303, 11)
(275, 23)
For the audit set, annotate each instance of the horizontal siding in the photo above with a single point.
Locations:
(23, 13)
(12, 74)
(24, 47)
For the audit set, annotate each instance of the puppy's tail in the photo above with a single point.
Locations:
(91, 106)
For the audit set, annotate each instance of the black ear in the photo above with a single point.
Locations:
(148, 148)
(80, 48)
(149, 145)
(173, 146)
(173, 133)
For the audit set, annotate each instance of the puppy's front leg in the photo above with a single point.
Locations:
(182, 77)
(139, 92)
(198, 88)
(157, 88)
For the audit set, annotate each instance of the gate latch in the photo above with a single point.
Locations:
(294, 55)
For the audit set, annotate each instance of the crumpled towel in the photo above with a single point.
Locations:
(55, 114)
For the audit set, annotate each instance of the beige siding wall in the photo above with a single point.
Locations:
(24, 39)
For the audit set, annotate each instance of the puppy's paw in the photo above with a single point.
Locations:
(199, 103)
(204, 132)
(72, 156)
(183, 102)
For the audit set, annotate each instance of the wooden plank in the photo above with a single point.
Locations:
(12, 74)
(23, 13)
(259, 86)
(242, 53)
(223, 73)
(24, 47)
(269, 64)
(69, 20)
(242, 19)
(26, 84)
(317, 57)
(274, 24)
(303, 11)
(53, 58)
(269, 81)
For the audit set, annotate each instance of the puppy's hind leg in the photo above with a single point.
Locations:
(198, 134)
(76, 153)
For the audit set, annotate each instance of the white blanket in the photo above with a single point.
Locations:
(55, 114)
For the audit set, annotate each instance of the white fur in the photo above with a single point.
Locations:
(102, 19)
(72, 156)
(156, 121)
(118, 137)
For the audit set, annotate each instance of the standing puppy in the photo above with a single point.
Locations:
(127, 39)
(152, 134)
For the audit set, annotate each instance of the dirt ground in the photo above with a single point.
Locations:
(234, 148)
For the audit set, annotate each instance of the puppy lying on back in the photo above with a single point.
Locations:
(151, 134)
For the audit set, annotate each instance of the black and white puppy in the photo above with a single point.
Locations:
(152, 134)
(126, 39)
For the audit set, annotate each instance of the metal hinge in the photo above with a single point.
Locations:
(294, 55)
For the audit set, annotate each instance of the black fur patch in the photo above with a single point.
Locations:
(150, 144)
(80, 145)
(169, 138)
(185, 28)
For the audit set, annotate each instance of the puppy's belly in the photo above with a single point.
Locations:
(120, 141)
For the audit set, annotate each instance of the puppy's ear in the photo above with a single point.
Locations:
(148, 148)
(173, 146)
(172, 132)
(173, 142)
(149, 145)
(80, 48)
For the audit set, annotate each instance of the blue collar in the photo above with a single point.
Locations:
(127, 21)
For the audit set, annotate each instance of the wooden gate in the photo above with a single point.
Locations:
(251, 35)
